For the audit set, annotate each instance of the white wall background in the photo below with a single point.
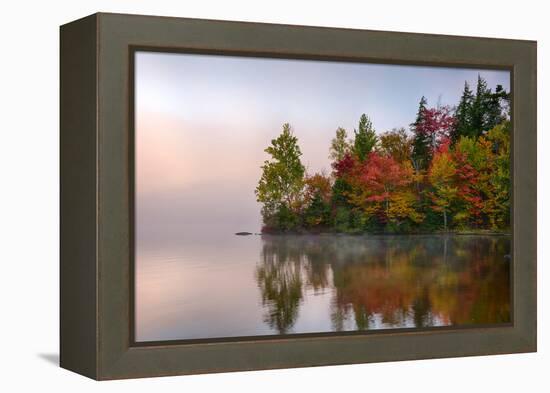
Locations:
(29, 194)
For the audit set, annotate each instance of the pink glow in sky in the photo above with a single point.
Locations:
(203, 121)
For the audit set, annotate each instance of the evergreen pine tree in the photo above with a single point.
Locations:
(496, 104)
(365, 138)
(463, 126)
(421, 153)
(318, 212)
(479, 108)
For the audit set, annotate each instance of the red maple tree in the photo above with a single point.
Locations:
(468, 180)
(437, 125)
(344, 166)
(382, 175)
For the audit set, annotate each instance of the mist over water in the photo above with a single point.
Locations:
(202, 124)
(270, 285)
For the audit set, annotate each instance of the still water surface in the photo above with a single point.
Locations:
(265, 285)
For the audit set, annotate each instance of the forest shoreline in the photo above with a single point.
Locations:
(469, 232)
(450, 174)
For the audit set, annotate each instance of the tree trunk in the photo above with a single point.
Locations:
(445, 220)
(416, 170)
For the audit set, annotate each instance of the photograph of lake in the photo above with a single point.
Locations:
(288, 196)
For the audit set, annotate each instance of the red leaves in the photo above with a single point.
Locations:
(344, 166)
(444, 145)
(468, 179)
(380, 188)
(437, 124)
(379, 197)
(383, 173)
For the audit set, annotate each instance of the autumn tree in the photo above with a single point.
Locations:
(452, 172)
(433, 127)
(282, 180)
(317, 197)
(396, 144)
(436, 125)
(442, 178)
(343, 167)
(344, 218)
(365, 138)
(497, 183)
(483, 166)
(469, 197)
(318, 183)
(381, 189)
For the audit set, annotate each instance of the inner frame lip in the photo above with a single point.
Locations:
(134, 49)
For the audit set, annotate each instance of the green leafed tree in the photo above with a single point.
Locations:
(498, 182)
(365, 138)
(340, 145)
(282, 181)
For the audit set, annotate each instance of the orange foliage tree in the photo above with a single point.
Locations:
(381, 189)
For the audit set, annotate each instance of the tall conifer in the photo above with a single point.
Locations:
(421, 143)
(365, 138)
(479, 107)
(463, 115)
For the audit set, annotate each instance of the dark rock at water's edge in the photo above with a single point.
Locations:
(243, 233)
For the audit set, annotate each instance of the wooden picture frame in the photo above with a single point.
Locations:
(97, 186)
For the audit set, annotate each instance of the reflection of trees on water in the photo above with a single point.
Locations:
(280, 280)
(398, 281)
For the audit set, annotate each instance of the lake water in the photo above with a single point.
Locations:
(227, 286)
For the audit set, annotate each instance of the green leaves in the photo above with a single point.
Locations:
(421, 153)
(340, 145)
(282, 177)
(464, 115)
(365, 138)
(478, 113)
(389, 183)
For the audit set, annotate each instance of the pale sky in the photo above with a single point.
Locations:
(203, 121)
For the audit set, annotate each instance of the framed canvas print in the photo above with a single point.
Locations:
(240, 196)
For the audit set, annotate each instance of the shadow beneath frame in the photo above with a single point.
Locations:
(52, 358)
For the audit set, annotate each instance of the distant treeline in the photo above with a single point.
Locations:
(452, 171)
